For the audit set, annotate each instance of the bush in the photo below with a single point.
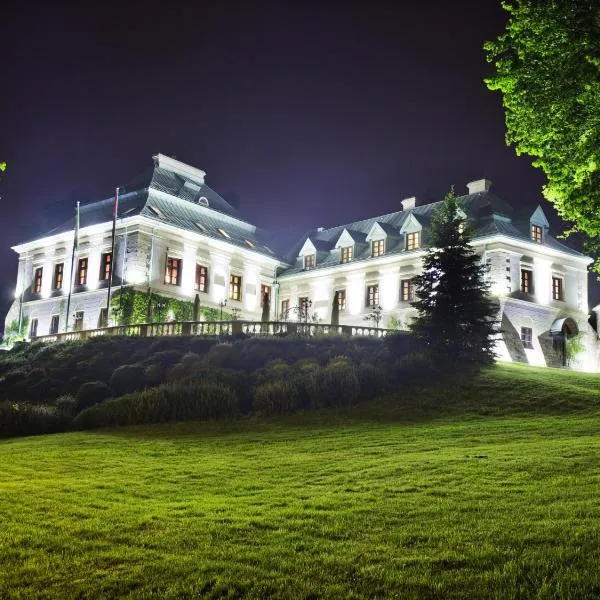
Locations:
(273, 397)
(338, 384)
(154, 375)
(126, 379)
(66, 405)
(30, 419)
(372, 379)
(167, 402)
(166, 358)
(90, 393)
(219, 355)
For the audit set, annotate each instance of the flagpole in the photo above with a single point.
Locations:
(75, 245)
(112, 254)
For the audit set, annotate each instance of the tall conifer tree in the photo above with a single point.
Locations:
(457, 318)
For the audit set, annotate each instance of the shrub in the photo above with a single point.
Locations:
(30, 419)
(167, 402)
(372, 380)
(126, 379)
(273, 397)
(338, 384)
(307, 374)
(219, 355)
(90, 393)
(154, 374)
(166, 358)
(66, 405)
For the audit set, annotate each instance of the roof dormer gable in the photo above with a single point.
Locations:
(377, 232)
(308, 248)
(539, 218)
(345, 240)
(411, 224)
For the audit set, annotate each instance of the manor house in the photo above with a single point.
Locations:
(176, 237)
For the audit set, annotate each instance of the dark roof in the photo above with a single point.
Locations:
(189, 204)
(489, 214)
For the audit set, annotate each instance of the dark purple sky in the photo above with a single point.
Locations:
(314, 113)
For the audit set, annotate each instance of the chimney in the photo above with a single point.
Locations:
(409, 203)
(481, 185)
(319, 229)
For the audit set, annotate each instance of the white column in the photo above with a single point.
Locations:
(188, 275)
(542, 280)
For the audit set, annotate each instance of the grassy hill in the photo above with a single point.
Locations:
(484, 489)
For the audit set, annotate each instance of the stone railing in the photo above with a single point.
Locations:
(218, 328)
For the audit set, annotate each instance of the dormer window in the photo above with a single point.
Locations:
(346, 254)
(377, 248)
(536, 234)
(412, 240)
(203, 201)
(310, 261)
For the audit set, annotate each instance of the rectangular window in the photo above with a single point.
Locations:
(347, 252)
(342, 300)
(557, 288)
(103, 318)
(310, 260)
(235, 287)
(377, 247)
(54, 324)
(82, 269)
(201, 281)
(285, 309)
(527, 337)
(37, 280)
(173, 271)
(303, 305)
(527, 281)
(264, 289)
(33, 328)
(536, 234)
(59, 272)
(372, 296)
(105, 266)
(407, 290)
(79, 320)
(412, 240)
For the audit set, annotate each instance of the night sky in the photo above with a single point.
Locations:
(312, 113)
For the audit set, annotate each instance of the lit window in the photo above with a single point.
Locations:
(223, 233)
(310, 260)
(557, 288)
(285, 309)
(37, 280)
(527, 281)
(59, 271)
(82, 269)
(201, 281)
(304, 304)
(250, 244)
(378, 248)
(235, 287)
(54, 321)
(412, 240)
(173, 271)
(264, 289)
(527, 337)
(536, 234)
(407, 290)
(372, 296)
(341, 300)
(347, 254)
(105, 266)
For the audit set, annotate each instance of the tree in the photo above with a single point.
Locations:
(457, 318)
(547, 67)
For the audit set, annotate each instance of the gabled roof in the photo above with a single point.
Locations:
(488, 214)
(175, 194)
(539, 218)
(350, 237)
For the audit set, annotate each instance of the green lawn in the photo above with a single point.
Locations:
(494, 494)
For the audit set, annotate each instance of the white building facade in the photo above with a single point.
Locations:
(177, 238)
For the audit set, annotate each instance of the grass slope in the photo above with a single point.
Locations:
(487, 489)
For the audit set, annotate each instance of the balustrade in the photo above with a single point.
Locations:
(218, 329)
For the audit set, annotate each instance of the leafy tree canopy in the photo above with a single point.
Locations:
(457, 318)
(547, 67)
(2, 166)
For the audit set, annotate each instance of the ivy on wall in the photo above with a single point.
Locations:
(131, 307)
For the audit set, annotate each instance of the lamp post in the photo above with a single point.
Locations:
(222, 303)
